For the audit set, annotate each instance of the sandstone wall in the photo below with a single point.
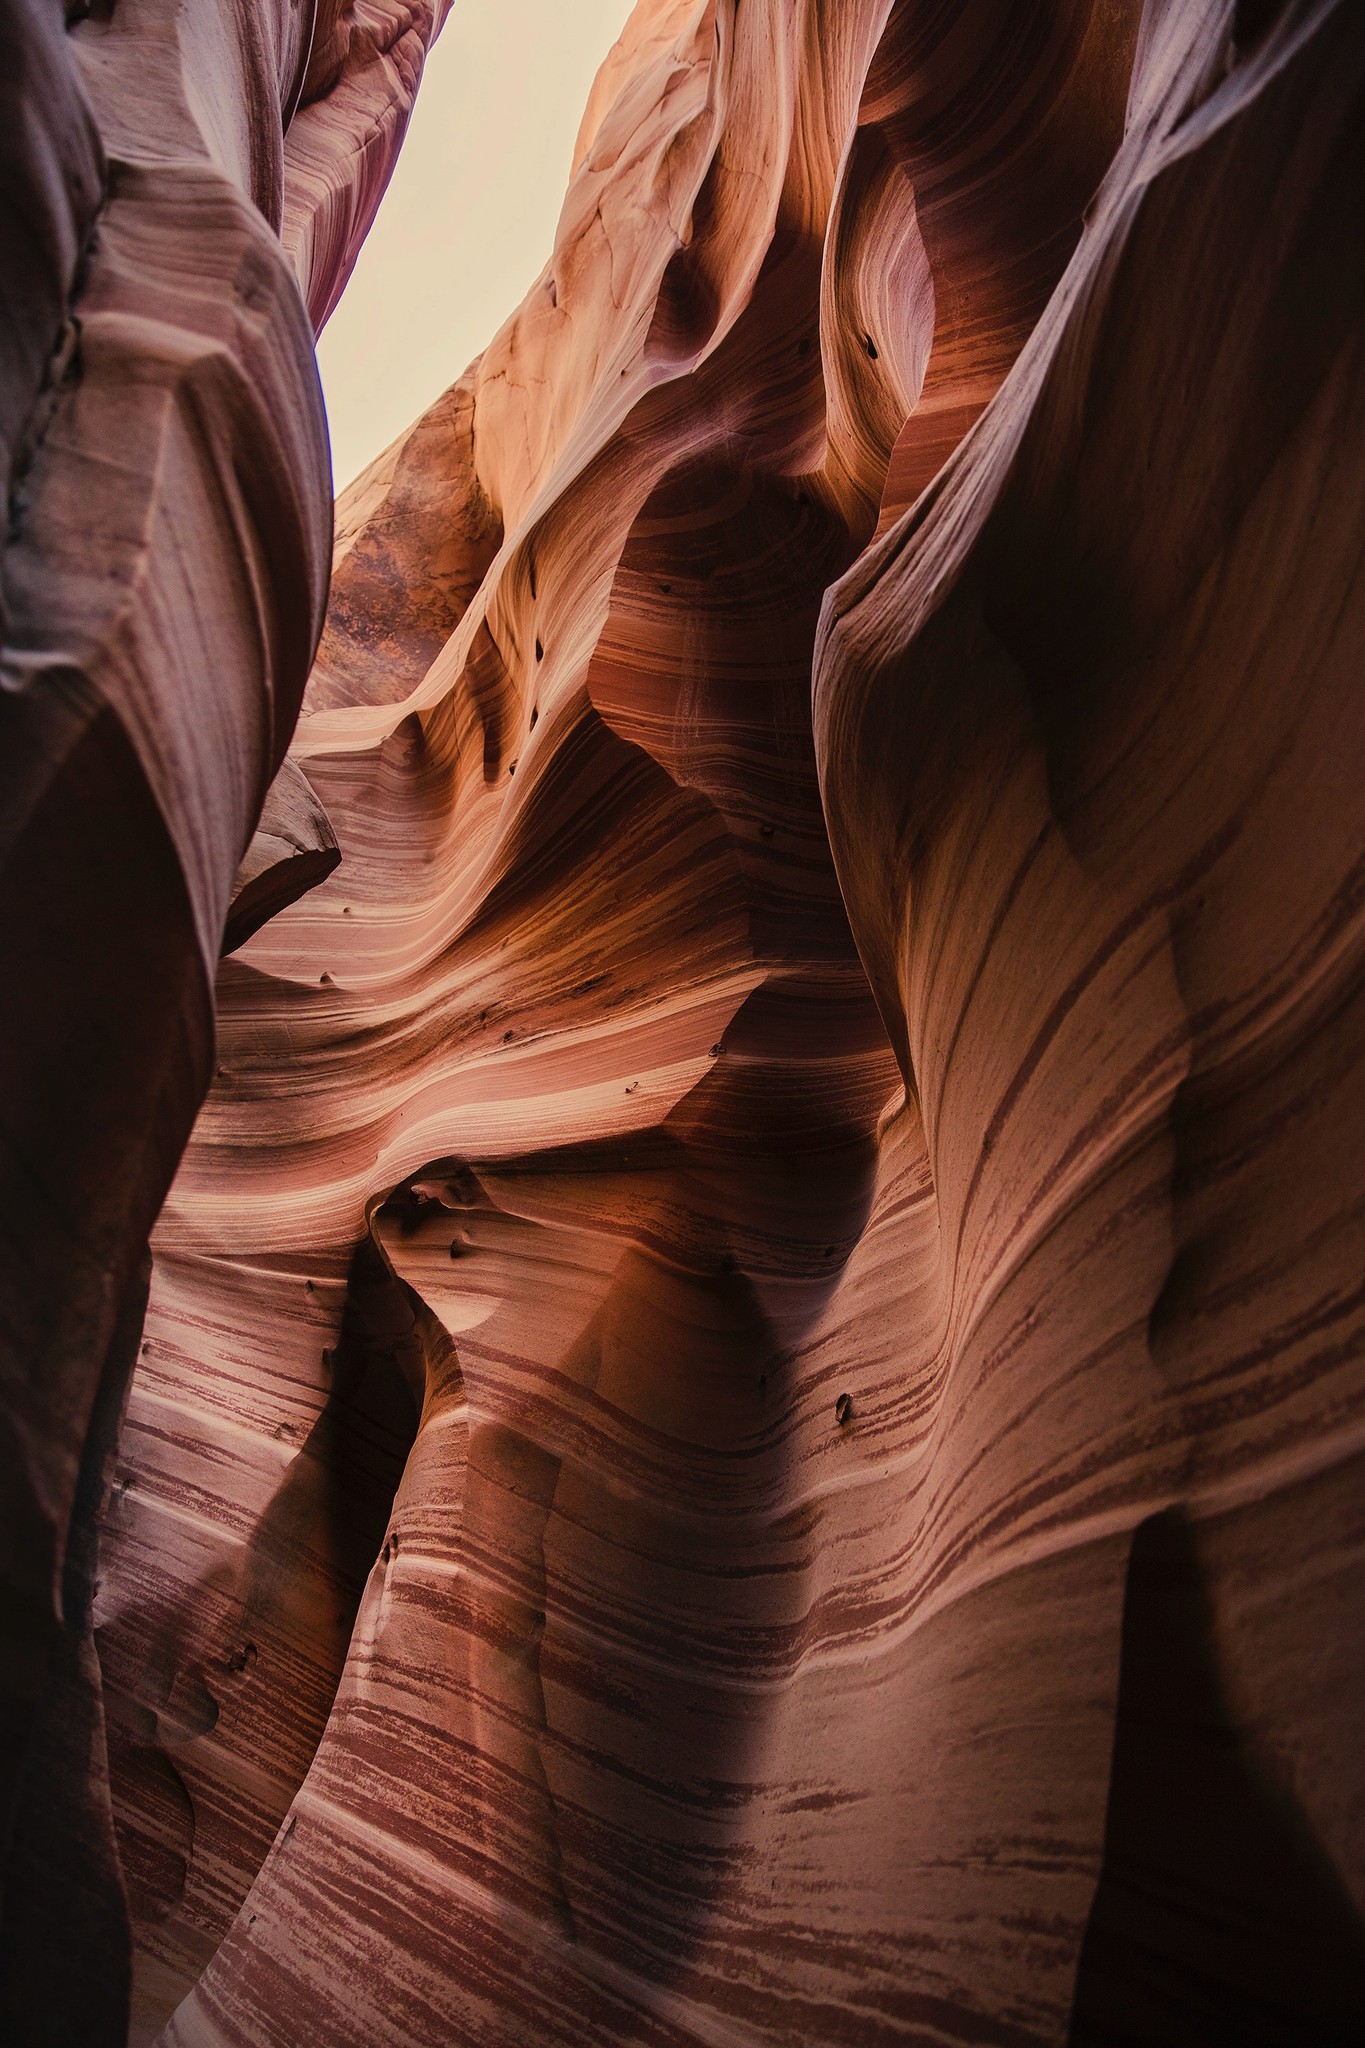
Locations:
(162, 587)
(749, 1428)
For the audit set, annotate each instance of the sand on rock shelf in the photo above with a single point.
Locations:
(745, 1427)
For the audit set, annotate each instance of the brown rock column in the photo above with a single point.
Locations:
(161, 592)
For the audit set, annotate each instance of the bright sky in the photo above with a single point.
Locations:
(469, 217)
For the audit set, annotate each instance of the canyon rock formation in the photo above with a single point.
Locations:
(747, 1423)
(180, 188)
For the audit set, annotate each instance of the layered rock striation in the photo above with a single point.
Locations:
(749, 1422)
(180, 188)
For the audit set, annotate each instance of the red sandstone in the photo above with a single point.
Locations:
(748, 1428)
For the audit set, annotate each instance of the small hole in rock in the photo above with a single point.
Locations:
(843, 1409)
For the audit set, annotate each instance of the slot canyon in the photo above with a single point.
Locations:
(682, 1092)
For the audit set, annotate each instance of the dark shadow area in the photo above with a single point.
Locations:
(631, 1582)
(235, 1669)
(1218, 1918)
(337, 1499)
(65, 1946)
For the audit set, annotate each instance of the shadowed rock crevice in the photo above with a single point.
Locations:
(64, 1929)
(1218, 1916)
(251, 1660)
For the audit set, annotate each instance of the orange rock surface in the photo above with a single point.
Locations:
(750, 1422)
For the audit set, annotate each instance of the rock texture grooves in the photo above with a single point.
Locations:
(750, 1428)
(161, 592)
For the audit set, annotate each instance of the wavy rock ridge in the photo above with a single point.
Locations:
(749, 1423)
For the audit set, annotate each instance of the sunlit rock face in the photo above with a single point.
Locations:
(749, 1424)
(181, 186)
